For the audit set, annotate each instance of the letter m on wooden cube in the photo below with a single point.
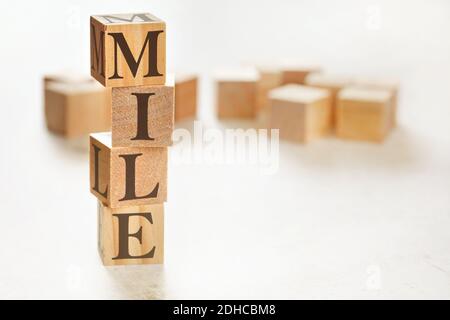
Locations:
(128, 49)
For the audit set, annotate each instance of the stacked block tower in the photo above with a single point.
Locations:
(128, 166)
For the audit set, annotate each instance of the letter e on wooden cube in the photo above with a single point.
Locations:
(131, 235)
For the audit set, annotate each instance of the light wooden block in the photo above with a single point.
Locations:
(296, 74)
(67, 77)
(143, 116)
(236, 93)
(74, 109)
(363, 114)
(330, 82)
(185, 96)
(121, 177)
(128, 49)
(131, 235)
(385, 84)
(300, 113)
(269, 78)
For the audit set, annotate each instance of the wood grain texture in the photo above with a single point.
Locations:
(302, 114)
(158, 121)
(185, 97)
(148, 180)
(135, 31)
(74, 109)
(363, 114)
(151, 234)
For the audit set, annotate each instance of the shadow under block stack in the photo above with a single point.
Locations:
(128, 166)
(364, 114)
(236, 94)
(300, 113)
(185, 97)
(75, 107)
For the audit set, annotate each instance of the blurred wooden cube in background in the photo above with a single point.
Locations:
(363, 114)
(297, 73)
(75, 107)
(236, 93)
(382, 83)
(301, 113)
(131, 235)
(330, 82)
(66, 77)
(269, 78)
(186, 86)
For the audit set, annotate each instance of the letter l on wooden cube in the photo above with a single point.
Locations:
(123, 177)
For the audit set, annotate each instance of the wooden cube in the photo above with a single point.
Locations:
(296, 74)
(128, 49)
(236, 93)
(74, 109)
(131, 235)
(185, 96)
(300, 113)
(121, 177)
(143, 116)
(385, 84)
(363, 114)
(332, 83)
(67, 77)
(269, 78)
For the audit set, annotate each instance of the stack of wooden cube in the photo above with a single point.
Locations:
(128, 166)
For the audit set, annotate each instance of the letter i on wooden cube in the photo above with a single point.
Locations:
(236, 93)
(128, 49)
(131, 235)
(121, 177)
(143, 116)
(300, 113)
(363, 114)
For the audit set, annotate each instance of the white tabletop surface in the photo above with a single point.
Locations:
(337, 220)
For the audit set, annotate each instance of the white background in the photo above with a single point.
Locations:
(338, 220)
